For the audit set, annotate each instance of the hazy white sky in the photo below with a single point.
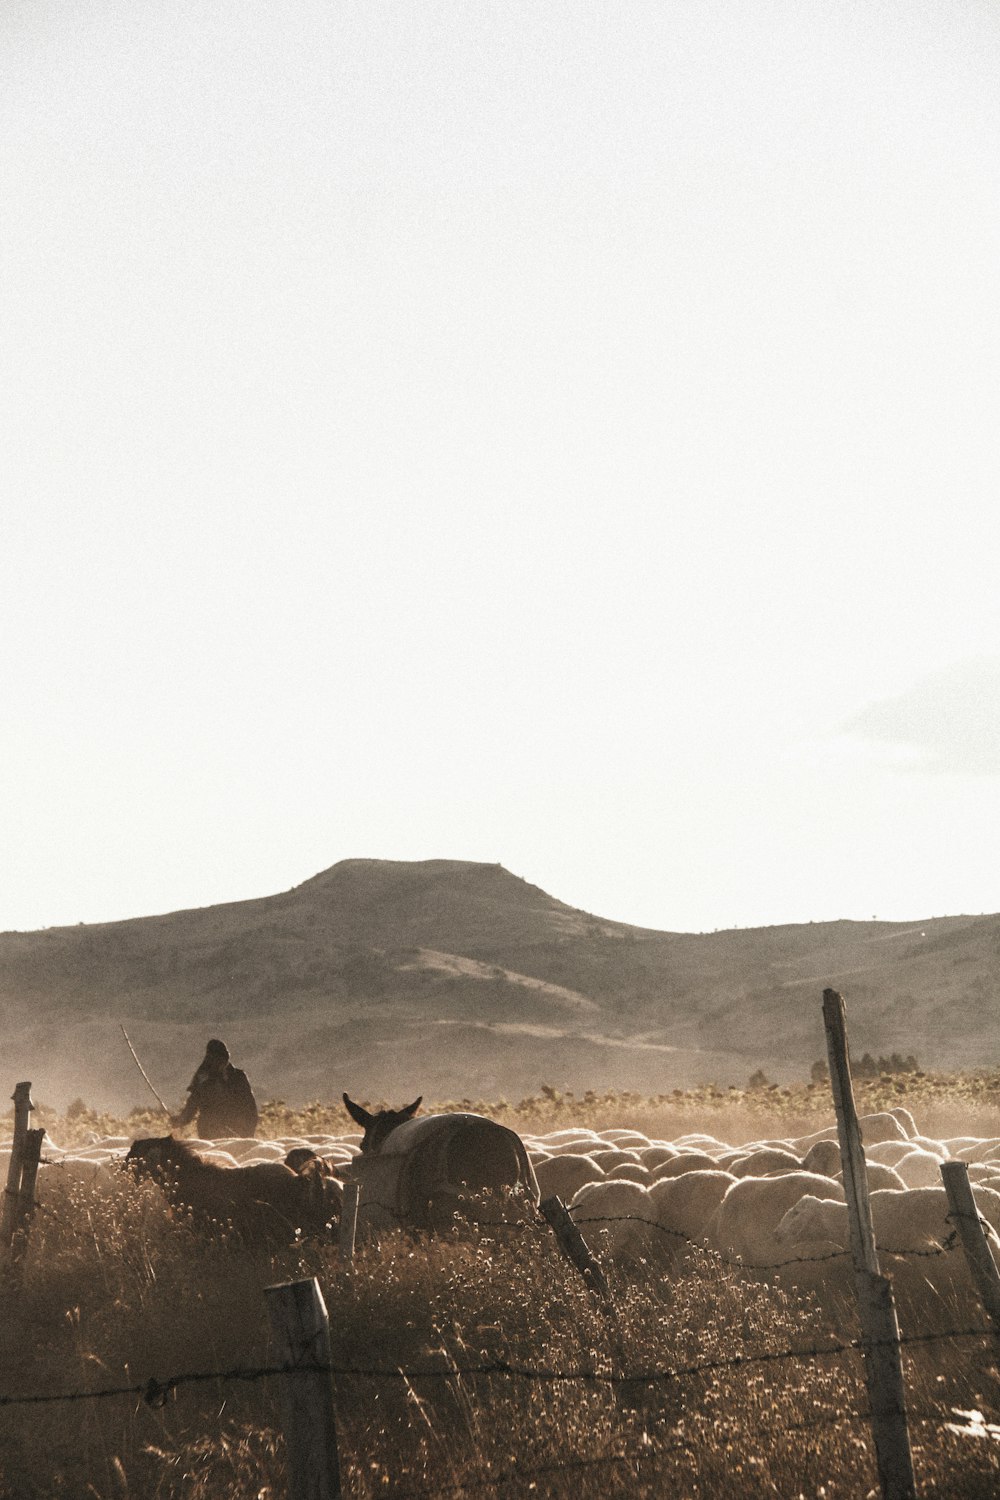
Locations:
(555, 433)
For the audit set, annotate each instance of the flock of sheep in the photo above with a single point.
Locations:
(774, 1206)
(769, 1204)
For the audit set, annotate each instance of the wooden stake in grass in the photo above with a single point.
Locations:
(574, 1246)
(965, 1216)
(22, 1109)
(349, 1222)
(301, 1329)
(879, 1326)
(25, 1203)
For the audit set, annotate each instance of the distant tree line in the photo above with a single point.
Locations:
(867, 1067)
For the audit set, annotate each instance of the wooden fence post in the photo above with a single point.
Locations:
(879, 1325)
(574, 1246)
(852, 1153)
(301, 1331)
(22, 1109)
(349, 1222)
(24, 1207)
(978, 1255)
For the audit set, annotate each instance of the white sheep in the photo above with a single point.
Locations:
(905, 1119)
(928, 1143)
(656, 1155)
(888, 1152)
(61, 1183)
(263, 1151)
(974, 1150)
(875, 1128)
(698, 1141)
(762, 1162)
(885, 1126)
(744, 1224)
(920, 1169)
(630, 1171)
(913, 1220)
(571, 1133)
(575, 1143)
(612, 1156)
(802, 1144)
(955, 1145)
(238, 1146)
(881, 1176)
(619, 1217)
(565, 1175)
(684, 1161)
(685, 1204)
(221, 1158)
(822, 1157)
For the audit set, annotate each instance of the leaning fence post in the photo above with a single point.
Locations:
(852, 1153)
(573, 1244)
(978, 1255)
(24, 1206)
(301, 1329)
(22, 1109)
(349, 1222)
(879, 1325)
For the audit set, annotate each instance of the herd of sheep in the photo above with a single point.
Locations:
(768, 1204)
(774, 1206)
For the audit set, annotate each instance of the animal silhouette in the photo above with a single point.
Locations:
(377, 1127)
(422, 1173)
(267, 1203)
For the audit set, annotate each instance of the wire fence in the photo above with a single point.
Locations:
(648, 1451)
(637, 1386)
(529, 1225)
(156, 1391)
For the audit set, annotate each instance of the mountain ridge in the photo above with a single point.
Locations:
(465, 980)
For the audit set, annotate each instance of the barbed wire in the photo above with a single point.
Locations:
(948, 1247)
(536, 1221)
(740, 1263)
(155, 1391)
(527, 1225)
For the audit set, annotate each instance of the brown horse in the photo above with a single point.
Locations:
(267, 1203)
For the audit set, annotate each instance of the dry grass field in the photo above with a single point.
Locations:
(474, 1363)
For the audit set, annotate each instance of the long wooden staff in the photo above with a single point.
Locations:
(142, 1070)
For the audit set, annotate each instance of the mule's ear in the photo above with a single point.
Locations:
(361, 1116)
(411, 1109)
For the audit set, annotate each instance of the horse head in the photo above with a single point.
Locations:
(377, 1127)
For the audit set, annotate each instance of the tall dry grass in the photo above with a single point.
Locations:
(115, 1292)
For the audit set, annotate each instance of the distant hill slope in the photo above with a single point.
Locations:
(458, 979)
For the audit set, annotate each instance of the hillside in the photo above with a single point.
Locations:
(458, 979)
